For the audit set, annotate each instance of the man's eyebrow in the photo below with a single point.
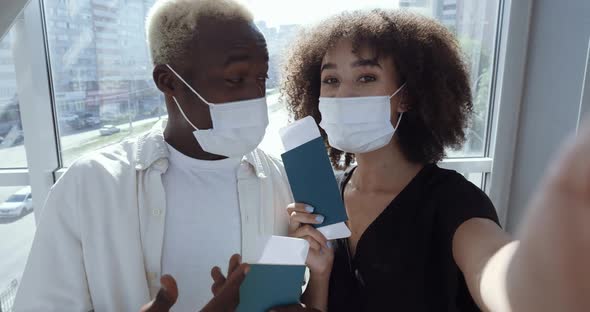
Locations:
(366, 62)
(236, 58)
(242, 57)
(328, 66)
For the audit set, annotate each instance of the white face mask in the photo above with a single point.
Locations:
(238, 127)
(358, 124)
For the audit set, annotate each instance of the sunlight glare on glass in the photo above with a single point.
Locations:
(276, 13)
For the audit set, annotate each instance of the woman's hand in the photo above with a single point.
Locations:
(321, 253)
(550, 267)
(547, 269)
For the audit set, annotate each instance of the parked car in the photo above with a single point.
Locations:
(18, 204)
(92, 121)
(108, 130)
(65, 117)
(82, 120)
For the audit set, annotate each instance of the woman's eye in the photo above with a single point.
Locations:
(330, 81)
(367, 79)
(263, 78)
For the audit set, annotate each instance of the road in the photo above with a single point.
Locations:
(15, 157)
(17, 238)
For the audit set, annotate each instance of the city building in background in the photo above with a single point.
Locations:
(11, 133)
(100, 62)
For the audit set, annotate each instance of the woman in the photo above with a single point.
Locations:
(391, 93)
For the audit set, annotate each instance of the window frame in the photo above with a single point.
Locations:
(509, 79)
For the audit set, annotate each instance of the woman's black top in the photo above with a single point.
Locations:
(404, 259)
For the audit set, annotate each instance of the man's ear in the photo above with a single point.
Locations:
(164, 79)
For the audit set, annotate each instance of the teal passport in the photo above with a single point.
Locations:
(270, 285)
(313, 182)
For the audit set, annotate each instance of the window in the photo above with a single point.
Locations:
(116, 89)
(122, 93)
(12, 150)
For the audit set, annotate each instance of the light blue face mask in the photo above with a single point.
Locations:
(358, 124)
(238, 127)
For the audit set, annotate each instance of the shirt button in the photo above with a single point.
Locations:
(157, 212)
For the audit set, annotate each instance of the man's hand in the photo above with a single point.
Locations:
(219, 279)
(226, 291)
(166, 297)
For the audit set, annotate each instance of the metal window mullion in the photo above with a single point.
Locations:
(468, 165)
(509, 86)
(34, 94)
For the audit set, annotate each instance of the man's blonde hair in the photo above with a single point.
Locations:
(172, 24)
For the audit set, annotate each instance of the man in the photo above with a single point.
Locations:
(182, 198)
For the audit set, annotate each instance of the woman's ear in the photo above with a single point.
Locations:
(403, 105)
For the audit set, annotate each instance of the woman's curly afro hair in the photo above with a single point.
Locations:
(428, 59)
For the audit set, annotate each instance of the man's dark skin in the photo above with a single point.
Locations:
(227, 61)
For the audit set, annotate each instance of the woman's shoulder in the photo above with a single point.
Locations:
(450, 183)
(458, 196)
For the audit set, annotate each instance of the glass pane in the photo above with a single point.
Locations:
(475, 178)
(474, 23)
(101, 73)
(17, 229)
(12, 149)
